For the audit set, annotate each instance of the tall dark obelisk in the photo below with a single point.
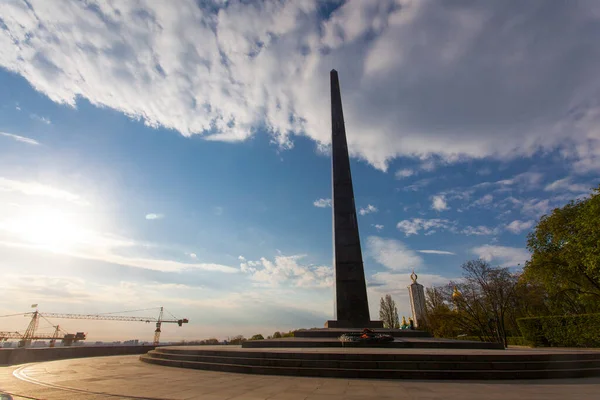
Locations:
(351, 304)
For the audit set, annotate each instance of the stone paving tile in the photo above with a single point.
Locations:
(127, 376)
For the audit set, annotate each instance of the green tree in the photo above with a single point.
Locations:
(277, 335)
(258, 336)
(565, 255)
(442, 320)
(388, 312)
(486, 297)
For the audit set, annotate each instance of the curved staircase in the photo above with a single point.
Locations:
(384, 363)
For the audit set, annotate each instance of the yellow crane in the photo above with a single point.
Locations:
(31, 333)
(35, 315)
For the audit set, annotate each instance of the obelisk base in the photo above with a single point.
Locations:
(348, 324)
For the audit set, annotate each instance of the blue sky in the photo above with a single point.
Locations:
(152, 155)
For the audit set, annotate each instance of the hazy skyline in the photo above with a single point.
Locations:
(153, 155)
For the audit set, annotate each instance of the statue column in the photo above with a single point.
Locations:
(417, 301)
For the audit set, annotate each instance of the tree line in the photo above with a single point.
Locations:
(562, 277)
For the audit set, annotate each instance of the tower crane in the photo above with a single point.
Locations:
(31, 333)
(35, 315)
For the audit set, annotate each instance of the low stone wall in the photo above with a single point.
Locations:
(21, 356)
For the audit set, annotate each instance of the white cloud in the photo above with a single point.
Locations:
(566, 185)
(369, 209)
(418, 185)
(322, 203)
(482, 201)
(436, 252)
(153, 216)
(393, 254)
(194, 256)
(518, 226)
(536, 207)
(40, 118)
(378, 227)
(415, 225)
(525, 180)
(21, 139)
(404, 173)
(38, 189)
(287, 271)
(504, 256)
(479, 231)
(266, 64)
(428, 165)
(439, 203)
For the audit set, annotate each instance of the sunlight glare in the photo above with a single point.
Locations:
(50, 228)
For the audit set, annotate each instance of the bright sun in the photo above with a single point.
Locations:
(51, 228)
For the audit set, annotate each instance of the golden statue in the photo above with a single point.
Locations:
(404, 324)
(456, 294)
(413, 276)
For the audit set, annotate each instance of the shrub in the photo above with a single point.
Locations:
(581, 330)
(512, 340)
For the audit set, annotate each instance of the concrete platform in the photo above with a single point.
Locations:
(383, 363)
(125, 377)
(337, 332)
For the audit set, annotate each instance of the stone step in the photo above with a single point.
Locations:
(366, 373)
(482, 364)
(366, 355)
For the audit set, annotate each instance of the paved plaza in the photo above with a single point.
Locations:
(125, 377)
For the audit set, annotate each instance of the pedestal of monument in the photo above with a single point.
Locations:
(348, 324)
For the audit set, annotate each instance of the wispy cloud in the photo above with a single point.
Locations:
(439, 203)
(378, 227)
(437, 252)
(322, 203)
(418, 185)
(428, 165)
(369, 209)
(21, 139)
(393, 254)
(525, 180)
(504, 256)
(40, 118)
(287, 271)
(535, 207)
(100, 247)
(566, 184)
(479, 231)
(153, 216)
(38, 189)
(518, 226)
(404, 173)
(415, 225)
(483, 201)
